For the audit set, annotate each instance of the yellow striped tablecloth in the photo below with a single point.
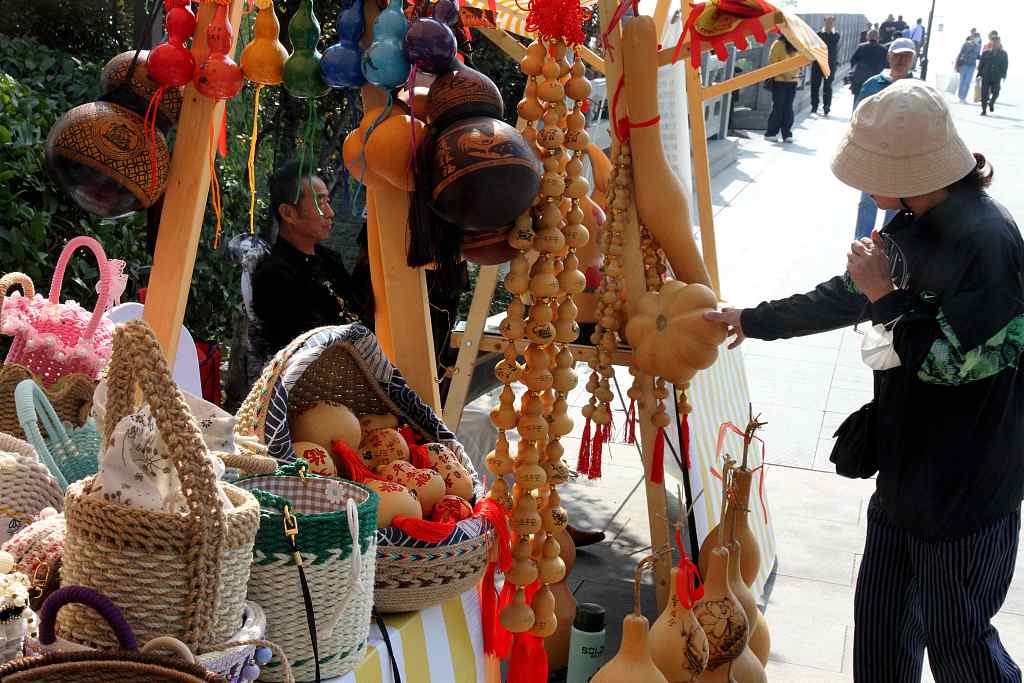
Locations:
(720, 394)
(441, 643)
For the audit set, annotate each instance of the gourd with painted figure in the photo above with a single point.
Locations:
(722, 617)
(661, 204)
(679, 645)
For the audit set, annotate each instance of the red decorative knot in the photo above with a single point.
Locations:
(553, 19)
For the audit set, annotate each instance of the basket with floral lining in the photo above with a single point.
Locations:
(344, 364)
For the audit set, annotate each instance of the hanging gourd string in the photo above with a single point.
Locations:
(251, 165)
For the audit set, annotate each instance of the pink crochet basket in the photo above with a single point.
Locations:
(55, 339)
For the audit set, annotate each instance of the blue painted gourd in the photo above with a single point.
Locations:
(342, 64)
(384, 63)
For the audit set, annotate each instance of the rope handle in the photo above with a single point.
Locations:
(90, 598)
(34, 407)
(137, 360)
(12, 279)
(167, 643)
(105, 279)
(352, 512)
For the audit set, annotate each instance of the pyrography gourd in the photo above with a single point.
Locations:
(302, 77)
(384, 62)
(668, 332)
(219, 77)
(679, 646)
(342, 63)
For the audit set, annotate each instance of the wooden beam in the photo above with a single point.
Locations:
(660, 15)
(593, 59)
(188, 186)
(381, 324)
(469, 345)
(702, 174)
(506, 41)
(405, 296)
(495, 343)
(635, 279)
(751, 77)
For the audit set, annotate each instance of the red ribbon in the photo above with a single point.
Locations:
(496, 639)
(149, 129)
(689, 587)
(722, 432)
(617, 16)
(222, 139)
(623, 125)
(528, 661)
(424, 529)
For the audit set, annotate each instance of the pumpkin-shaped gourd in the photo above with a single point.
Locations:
(395, 500)
(451, 509)
(324, 422)
(382, 446)
(320, 461)
(668, 332)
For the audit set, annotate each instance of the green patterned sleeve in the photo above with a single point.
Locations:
(947, 363)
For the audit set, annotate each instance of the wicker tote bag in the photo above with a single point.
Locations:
(127, 664)
(69, 454)
(55, 339)
(182, 575)
(332, 524)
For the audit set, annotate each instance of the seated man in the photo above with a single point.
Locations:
(302, 285)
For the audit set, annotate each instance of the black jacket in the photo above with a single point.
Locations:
(951, 453)
(831, 40)
(868, 59)
(993, 64)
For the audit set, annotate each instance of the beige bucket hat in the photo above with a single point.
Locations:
(902, 143)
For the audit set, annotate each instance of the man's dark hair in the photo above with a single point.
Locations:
(284, 187)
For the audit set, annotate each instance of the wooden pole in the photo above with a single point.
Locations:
(636, 287)
(469, 346)
(188, 186)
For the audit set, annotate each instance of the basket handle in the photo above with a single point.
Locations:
(13, 279)
(167, 643)
(34, 407)
(137, 360)
(90, 598)
(105, 279)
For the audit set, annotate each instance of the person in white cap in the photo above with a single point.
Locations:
(944, 287)
(901, 60)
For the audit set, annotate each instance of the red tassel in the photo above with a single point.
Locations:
(689, 587)
(424, 529)
(410, 436)
(596, 450)
(631, 420)
(488, 608)
(347, 461)
(492, 511)
(419, 456)
(583, 461)
(528, 661)
(658, 461)
(495, 637)
(684, 439)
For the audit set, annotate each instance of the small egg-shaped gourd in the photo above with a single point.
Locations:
(302, 77)
(554, 518)
(342, 63)
(382, 446)
(219, 77)
(171, 63)
(721, 615)
(384, 62)
(633, 661)
(426, 484)
(325, 422)
(395, 500)
(263, 58)
(430, 45)
(737, 525)
(668, 332)
(525, 518)
(679, 645)
(451, 509)
(440, 455)
(319, 459)
(368, 423)
(457, 481)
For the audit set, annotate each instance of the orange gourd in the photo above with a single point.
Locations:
(389, 149)
(557, 644)
(669, 335)
(263, 58)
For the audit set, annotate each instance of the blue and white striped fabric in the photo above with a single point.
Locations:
(940, 595)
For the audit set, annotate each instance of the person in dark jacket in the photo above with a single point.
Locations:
(829, 36)
(992, 68)
(887, 30)
(868, 59)
(943, 284)
(301, 284)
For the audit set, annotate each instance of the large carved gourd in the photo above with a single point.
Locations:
(679, 645)
(722, 617)
(660, 202)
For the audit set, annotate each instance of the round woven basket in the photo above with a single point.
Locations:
(26, 486)
(345, 364)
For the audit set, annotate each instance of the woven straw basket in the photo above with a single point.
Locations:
(71, 397)
(26, 486)
(338, 559)
(178, 575)
(345, 364)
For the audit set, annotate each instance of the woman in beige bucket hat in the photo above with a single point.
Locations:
(942, 283)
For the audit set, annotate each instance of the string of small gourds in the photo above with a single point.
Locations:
(554, 229)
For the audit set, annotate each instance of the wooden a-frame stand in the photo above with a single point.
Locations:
(402, 316)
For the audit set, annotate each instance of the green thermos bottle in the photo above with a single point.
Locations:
(586, 643)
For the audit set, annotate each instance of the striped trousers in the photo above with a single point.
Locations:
(940, 595)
